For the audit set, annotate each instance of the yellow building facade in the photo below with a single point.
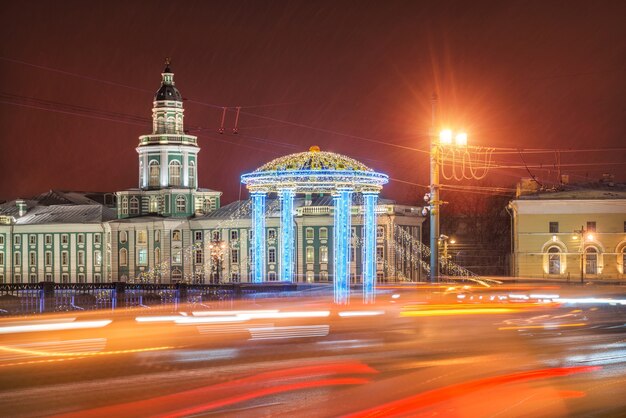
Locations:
(576, 233)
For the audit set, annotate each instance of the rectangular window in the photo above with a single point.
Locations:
(96, 238)
(1, 278)
(97, 258)
(32, 239)
(65, 278)
(17, 239)
(310, 234)
(1, 259)
(591, 226)
(142, 237)
(554, 227)
(48, 239)
(142, 256)
(271, 234)
(81, 258)
(380, 232)
(65, 260)
(48, 258)
(17, 278)
(234, 235)
(198, 235)
(199, 259)
(177, 256)
(48, 277)
(80, 238)
(97, 278)
(81, 278)
(271, 255)
(323, 233)
(17, 260)
(32, 278)
(310, 254)
(65, 239)
(2, 237)
(380, 254)
(216, 236)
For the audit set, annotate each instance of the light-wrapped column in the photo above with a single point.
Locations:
(286, 234)
(342, 230)
(258, 236)
(370, 200)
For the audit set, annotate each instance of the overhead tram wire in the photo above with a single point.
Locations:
(496, 150)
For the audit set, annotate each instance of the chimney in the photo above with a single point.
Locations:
(21, 207)
(526, 186)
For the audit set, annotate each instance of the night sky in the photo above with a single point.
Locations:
(78, 78)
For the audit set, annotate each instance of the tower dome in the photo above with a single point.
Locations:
(167, 91)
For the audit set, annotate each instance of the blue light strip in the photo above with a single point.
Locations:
(286, 234)
(342, 230)
(258, 239)
(369, 247)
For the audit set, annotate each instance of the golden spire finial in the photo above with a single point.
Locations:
(167, 61)
(314, 148)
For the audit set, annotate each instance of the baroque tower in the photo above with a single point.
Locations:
(168, 163)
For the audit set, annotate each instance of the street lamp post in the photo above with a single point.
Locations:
(445, 138)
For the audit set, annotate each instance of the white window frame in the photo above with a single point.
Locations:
(154, 179)
(175, 173)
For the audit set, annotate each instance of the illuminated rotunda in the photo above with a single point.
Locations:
(319, 172)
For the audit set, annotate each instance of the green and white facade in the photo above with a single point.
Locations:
(169, 230)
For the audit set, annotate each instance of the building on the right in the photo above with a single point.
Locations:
(573, 231)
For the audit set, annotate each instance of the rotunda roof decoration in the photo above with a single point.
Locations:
(314, 171)
(313, 159)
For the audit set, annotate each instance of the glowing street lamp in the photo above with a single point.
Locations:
(446, 136)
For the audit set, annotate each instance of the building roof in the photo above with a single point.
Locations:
(57, 206)
(587, 191)
(67, 214)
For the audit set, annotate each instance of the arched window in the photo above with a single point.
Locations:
(192, 175)
(554, 260)
(125, 206)
(323, 233)
(271, 276)
(154, 205)
(177, 275)
(157, 256)
(323, 254)
(123, 257)
(123, 236)
(141, 174)
(181, 204)
(591, 260)
(175, 173)
(134, 206)
(155, 174)
(171, 125)
(310, 254)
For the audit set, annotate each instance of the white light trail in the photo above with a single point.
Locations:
(54, 326)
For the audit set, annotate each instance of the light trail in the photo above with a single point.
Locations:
(56, 326)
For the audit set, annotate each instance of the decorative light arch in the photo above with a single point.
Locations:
(316, 171)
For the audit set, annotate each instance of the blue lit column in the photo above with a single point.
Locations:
(258, 237)
(370, 200)
(342, 229)
(286, 234)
